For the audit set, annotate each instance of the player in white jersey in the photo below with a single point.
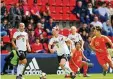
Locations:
(58, 44)
(75, 37)
(21, 45)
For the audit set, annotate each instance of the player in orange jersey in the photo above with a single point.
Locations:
(76, 61)
(98, 44)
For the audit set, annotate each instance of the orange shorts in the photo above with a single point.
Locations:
(104, 59)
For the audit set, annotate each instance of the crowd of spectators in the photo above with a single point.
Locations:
(39, 23)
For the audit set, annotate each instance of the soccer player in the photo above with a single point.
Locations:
(76, 61)
(75, 37)
(58, 44)
(21, 45)
(98, 44)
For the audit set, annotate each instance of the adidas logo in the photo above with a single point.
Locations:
(33, 68)
(60, 71)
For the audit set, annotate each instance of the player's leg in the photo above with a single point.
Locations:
(109, 60)
(21, 64)
(105, 69)
(85, 68)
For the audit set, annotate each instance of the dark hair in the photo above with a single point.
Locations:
(37, 39)
(78, 42)
(98, 28)
(108, 45)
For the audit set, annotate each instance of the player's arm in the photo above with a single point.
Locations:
(13, 41)
(92, 44)
(84, 57)
(109, 41)
(82, 42)
(50, 46)
(28, 46)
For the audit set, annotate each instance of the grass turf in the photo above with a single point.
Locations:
(53, 76)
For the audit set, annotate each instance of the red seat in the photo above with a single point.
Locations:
(52, 9)
(52, 2)
(30, 2)
(65, 17)
(66, 3)
(59, 10)
(53, 16)
(5, 52)
(12, 31)
(39, 2)
(6, 39)
(73, 17)
(44, 2)
(66, 10)
(59, 3)
(72, 2)
(58, 17)
(66, 31)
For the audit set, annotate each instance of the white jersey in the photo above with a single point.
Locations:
(59, 45)
(75, 38)
(21, 38)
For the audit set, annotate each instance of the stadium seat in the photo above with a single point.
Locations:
(73, 17)
(5, 52)
(59, 10)
(52, 9)
(53, 16)
(44, 2)
(52, 2)
(58, 17)
(59, 3)
(11, 32)
(6, 39)
(65, 31)
(66, 10)
(65, 17)
(30, 2)
(66, 3)
(39, 2)
(72, 2)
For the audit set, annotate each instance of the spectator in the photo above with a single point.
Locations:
(37, 47)
(102, 12)
(84, 30)
(81, 13)
(39, 30)
(107, 28)
(3, 11)
(15, 14)
(31, 21)
(45, 11)
(91, 11)
(87, 48)
(49, 25)
(26, 11)
(29, 28)
(42, 21)
(96, 22)
(35, 12)
(110, 10)
(4, 28)
(31, 37)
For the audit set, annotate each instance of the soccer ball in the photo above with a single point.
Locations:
(43, 75)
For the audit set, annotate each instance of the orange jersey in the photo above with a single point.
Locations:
(100, 43)
(77, 55)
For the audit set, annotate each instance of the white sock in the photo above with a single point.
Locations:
(22, 68)
(19, 69)
(67, 68)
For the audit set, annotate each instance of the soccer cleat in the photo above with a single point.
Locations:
(73, 75)
(67, 76)
(86, 75)
(104, 73)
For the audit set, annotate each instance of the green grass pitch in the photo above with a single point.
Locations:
(53, 76)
